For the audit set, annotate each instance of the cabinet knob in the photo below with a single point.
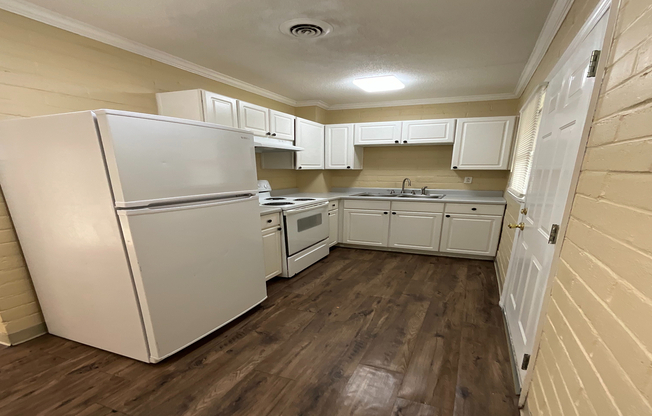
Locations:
(474, 209)
(268, 133)
(395, 141)
(274, 134)
(393, 213)
(299, 167)
(385, 213)
(454, 167)
(448, 216)
(348, 167)
(404, 141)
(279, 228)
(268, 221)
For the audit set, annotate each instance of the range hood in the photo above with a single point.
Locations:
(268, 144)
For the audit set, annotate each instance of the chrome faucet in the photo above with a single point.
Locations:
(409, 182)
(423, 190)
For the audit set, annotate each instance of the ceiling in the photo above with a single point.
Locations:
(438, 48)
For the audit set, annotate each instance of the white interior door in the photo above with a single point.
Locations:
(195, 266)
(564, 113)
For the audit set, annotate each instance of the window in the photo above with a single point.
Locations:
(528, 127)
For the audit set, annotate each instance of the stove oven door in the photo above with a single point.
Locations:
(306, 226)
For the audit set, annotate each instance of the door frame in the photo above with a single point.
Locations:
(603, 7)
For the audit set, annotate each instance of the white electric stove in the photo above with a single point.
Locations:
(305, 225)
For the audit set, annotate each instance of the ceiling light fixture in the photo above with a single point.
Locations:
(377, 84)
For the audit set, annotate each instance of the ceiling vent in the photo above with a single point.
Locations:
(304, 28)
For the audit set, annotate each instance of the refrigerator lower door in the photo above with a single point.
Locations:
(196, 267)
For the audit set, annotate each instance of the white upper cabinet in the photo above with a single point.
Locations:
(198, 105)
(281, 125)
(340, 152)
(254, 118)
(382, 133)
(310, 136)
(428, 132)
(483, 143)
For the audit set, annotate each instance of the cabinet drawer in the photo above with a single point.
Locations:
(417, 206)
(357, 204)
(332, 205)
(475, 209)
(270, 220)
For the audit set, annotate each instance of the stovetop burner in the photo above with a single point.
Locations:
(274, 199)
(278, 203)
(304, 199)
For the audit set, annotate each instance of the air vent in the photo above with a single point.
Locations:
(305, 28)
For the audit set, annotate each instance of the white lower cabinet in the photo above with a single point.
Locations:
(470, 234)
(415, 230)
(272, 251)
(366, 227)
(334, 227)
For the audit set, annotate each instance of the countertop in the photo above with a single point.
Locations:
(451, 196)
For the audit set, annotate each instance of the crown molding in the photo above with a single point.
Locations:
(554, 20)
(426, 101)
(315, 103)
(51, 18)
(552, 24)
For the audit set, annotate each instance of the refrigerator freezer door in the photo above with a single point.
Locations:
(196, 267)
(157, 160)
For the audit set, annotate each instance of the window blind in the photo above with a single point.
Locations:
(528, 128)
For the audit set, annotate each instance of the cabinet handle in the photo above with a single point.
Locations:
(474, 209)
(385, 212)
(454, 167)
(268, 133)
(404, 141)
(274, 134)
(393, 213)
(279, 228)
(268, 221)
(299, 167)
(395, 141)
(448, 216)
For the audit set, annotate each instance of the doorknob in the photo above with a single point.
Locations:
(524, 211)
(519, 225)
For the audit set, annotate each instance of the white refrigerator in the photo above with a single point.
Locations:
(141, 233)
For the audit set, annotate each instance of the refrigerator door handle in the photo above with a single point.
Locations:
(186, 205)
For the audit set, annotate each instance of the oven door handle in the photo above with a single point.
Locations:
(298, 210)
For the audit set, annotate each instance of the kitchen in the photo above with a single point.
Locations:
(393, 233)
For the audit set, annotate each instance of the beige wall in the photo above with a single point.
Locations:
(45, 70)
(595, 356)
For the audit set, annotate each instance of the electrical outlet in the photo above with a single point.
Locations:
(468, 179)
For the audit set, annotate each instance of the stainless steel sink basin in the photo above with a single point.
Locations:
(431, 196)
(379, 195)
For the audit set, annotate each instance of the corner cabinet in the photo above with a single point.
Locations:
(471, 229)
(310, 136)
(199, 105)
(340, 151)
(483, 143)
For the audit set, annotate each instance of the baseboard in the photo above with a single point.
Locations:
(498, 279)
(525, 410)
(4, 340)
(24, 335)
(422, 252)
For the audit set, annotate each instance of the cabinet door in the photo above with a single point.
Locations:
(272, 252)
(415, 230)
(281, 125)
(254, 118)
(219, 109)
(340, 151)
(428, 132)
(310, 136)
(471, 234)
(483, 143)
(378, 133)
(366, 227)
(334, 228)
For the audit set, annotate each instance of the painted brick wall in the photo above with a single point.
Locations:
(596, 350)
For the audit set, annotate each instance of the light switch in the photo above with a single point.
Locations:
(468, 179)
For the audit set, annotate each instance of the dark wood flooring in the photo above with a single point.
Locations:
(359, 333)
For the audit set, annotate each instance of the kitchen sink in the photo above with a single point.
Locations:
(431, 196)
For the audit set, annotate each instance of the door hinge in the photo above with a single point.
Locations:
(593, 64)
(554, 231)
(526, 361)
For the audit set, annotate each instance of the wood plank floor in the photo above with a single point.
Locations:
(359, 333)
